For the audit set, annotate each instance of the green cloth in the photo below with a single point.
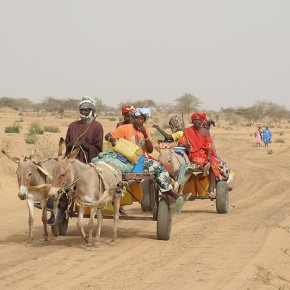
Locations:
(110, 156)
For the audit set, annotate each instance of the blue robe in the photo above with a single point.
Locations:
(267, 136)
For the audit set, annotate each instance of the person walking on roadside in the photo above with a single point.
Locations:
(267, 136)
(259, 136)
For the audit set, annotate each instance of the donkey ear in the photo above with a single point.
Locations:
(61, 147)
(14, 159)
(74, 153)
(32, 154)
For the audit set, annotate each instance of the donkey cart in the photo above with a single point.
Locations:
(142, 189)
(198, 186)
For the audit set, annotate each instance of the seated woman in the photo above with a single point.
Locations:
(127, 115)
(196, 139)
(140, 135)
(177, 128)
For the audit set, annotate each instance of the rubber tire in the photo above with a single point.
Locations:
(145, 203)
(61, 227)
(222, 197)
(164, 220)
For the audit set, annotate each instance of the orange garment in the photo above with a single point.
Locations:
(130, 133)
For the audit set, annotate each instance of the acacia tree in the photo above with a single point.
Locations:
(250, 114)
(187, 103)
(277, 113)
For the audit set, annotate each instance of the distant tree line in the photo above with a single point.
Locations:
(185, 104)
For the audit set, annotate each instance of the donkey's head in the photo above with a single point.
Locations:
(26, 173)
(61, 174)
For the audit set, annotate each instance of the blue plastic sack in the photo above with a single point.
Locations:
(138, 167)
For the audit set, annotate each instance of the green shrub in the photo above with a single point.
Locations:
(279, 140)
(112, 119)
(35, 128)
(51, 129)
(30, 139)
(15, 128)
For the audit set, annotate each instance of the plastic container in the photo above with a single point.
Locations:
(138, 167)
(128, 149)
(182, 149)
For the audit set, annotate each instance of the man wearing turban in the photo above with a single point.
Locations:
(86, 133)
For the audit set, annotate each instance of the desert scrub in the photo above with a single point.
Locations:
(51, 129)
(6, 144)
(30, 139)
(15, 128)
(35, 128)
(279, 140)
(270, 152)
(45, 149)
(112, 119)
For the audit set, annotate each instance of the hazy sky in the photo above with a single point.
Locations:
(226, 53)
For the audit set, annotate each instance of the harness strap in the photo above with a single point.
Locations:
(43, 171)
(105, 193)
(40, 186)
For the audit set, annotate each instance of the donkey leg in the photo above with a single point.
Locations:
(100, 222)
(30, 204)
(91, 224)
(80, 223)
(44, 219)
(116, 203)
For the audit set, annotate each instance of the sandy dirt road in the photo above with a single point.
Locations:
(248, 248)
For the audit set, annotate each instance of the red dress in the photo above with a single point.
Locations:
(200, 145)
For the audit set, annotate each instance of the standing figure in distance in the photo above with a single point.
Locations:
(259, 135)
(267, 136)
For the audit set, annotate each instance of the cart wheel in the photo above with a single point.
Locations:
(61, 227)
(222, 197)
(164, 220)
(145, 203)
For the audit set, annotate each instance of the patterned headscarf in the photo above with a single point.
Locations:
(142, 111)
(201, 116)
(176, 124)
(126, 109)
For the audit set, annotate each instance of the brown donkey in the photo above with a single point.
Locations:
(33, 186)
